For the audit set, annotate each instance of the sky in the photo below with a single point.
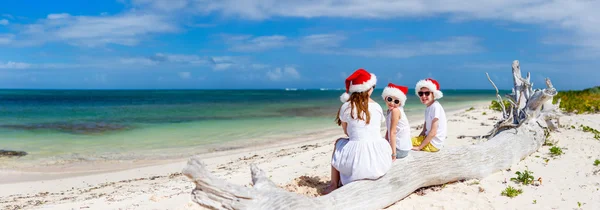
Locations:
(264, 44)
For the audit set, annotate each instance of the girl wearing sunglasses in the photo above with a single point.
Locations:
(433, 135)
(365, 154)
(398, 128)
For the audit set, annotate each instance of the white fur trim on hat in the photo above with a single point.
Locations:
(364, 86)
(359, 88)
(437, 94)
(390, 91)
(344, 97)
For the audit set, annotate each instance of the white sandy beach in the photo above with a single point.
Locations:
(568, 179)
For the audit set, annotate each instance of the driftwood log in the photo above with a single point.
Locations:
(516, 136)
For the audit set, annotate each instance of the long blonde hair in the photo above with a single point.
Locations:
(360, 101)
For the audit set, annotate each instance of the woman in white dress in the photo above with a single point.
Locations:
(365, 154)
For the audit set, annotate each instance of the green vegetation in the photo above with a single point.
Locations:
(484, 113)
(471, 109)
(547, 141)
(580, 101)
(525, 177)
(596, 162)
(592, 130)
(511, 192)
(496, 106)
(555, 151)
(534, 201)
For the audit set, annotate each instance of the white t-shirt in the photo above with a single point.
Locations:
(436, 111)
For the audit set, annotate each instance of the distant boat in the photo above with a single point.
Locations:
(291, 89)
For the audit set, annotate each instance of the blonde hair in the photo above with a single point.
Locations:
(360, 101)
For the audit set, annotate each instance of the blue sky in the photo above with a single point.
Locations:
(227, 44)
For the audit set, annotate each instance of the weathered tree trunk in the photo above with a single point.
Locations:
(505, 148)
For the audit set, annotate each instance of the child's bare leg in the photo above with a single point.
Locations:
(335, 174)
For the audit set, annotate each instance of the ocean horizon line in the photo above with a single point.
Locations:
(209, 89)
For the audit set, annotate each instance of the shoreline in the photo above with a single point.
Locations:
(84, 168)
(304, 168)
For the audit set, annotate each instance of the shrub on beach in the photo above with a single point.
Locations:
(525, 177)
(579, 101)
(556, 151)
(496, 105)
(511, 192)
(592, 130)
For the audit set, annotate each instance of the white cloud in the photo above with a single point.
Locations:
(321, 41)
(487, 66)
(275, 74)
(181, 58)
(291, 72)
(217, 63)
(332, 44)
(6, 38)
(163, 5)
(184, 75)
(246, 43)
(450, 46)
(58, 16)
(92, 31)
(138, 61)
(14, 65)
(23, 65)
(202, 25)
(4, 22)
(222, 66)
(577, 17)
(259, 66)
(287, 73)
(162, 58)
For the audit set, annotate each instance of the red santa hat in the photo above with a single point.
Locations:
(359, 81)
(395, 91)
(432, 85)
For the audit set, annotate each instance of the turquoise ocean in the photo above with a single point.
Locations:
(65, 126)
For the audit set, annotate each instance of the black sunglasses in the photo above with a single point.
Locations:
(426, 93)
(389, 99)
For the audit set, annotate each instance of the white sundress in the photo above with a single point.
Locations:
(366, 154)
(403, 141)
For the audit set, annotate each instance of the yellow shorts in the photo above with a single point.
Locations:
(416, 141)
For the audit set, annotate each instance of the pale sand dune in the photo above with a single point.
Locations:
(304, 168)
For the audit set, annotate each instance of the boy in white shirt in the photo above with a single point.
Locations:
(433, 135)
